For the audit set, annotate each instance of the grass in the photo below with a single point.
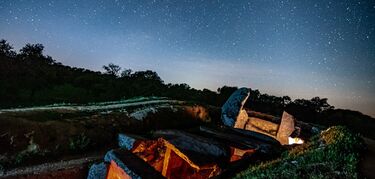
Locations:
(79, 143)
(334, 153)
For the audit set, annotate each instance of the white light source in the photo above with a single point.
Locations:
(296, 140)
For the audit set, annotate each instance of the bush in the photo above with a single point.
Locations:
(332, 154)
(79, 143)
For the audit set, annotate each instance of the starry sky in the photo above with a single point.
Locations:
(298, 48)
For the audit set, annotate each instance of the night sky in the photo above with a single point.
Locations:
(301, 48)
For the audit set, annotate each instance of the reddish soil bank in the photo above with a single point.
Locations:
(368, 162)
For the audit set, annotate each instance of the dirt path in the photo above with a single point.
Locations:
(368, 163)
(108, 106)
(76, 168)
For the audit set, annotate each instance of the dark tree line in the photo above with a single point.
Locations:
(29, 78)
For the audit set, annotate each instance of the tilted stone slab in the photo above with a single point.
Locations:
(233, 106)
(286, 128)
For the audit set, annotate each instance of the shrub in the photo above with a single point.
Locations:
(79, 143)
(332, 154)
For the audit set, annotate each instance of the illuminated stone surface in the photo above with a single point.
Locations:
(286, 128)
(233, 106)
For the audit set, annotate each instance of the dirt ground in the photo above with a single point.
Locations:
(74, 169)
(36, 137)
(368, 162)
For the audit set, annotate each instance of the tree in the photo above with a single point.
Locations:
(6, 49)
(112, 69)
(254, 95)
(32, 50)
(126, 73)
(224, 93)
(147, 75)
(286, 100)
(226, 90)
(320, 104)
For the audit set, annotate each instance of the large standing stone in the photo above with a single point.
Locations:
(286, 128)
(233, 106)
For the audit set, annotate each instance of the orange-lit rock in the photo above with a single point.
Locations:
(170, 161)
(238, 154)
(116, 172)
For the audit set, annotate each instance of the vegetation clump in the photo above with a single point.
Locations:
(334, 153)
(79, 143)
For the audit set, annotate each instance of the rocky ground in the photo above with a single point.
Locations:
(34, 136)
(75, 168)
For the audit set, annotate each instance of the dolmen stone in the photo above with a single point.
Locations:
(97, 171)
(232, 109)
(286, 128)
(189, 142)
(233, 115)
(111, 156)
(122, 163)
